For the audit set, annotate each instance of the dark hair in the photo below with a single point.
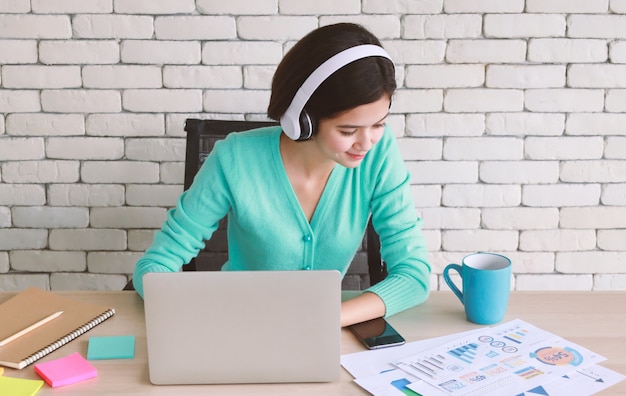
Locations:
(360, 82)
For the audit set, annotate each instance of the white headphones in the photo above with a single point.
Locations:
(296, 123)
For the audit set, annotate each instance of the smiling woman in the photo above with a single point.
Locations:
(299, 196)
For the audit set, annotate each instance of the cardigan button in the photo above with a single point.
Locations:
(308, 267)
(307, 238)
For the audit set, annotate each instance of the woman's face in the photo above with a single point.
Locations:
(348, 137)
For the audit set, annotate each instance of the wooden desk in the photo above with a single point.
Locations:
(596, 320)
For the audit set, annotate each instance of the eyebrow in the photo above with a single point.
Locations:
(360, 126)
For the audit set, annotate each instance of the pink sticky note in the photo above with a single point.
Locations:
(66, 370)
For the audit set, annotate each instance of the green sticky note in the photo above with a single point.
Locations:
(19, 386)
(111, 347)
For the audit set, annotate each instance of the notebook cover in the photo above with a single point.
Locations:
(66, 370)
(30, 306)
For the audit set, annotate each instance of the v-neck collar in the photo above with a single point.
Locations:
(291, 197)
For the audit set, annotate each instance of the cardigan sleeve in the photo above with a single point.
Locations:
(395, 219)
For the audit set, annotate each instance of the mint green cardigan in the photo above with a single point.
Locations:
(244, 178)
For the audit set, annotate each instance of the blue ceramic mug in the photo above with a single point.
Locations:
(486, 279)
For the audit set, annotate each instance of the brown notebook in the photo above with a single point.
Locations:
(31, 306)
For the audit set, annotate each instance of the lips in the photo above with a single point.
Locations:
(356, 157)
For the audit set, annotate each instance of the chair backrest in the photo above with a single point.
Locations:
(201, 136)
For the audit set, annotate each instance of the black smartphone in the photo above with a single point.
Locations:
(376, 333)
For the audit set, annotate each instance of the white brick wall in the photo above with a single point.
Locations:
(510, 115)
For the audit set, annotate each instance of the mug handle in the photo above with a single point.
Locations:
(451, 285)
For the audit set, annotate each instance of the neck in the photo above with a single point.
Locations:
(305, 158)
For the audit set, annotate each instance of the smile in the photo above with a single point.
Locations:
(356, 157)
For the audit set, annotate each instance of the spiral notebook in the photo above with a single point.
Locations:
(29, 307)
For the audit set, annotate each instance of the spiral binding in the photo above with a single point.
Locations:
(74, 334)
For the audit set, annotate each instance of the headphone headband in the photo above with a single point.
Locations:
(290, 121)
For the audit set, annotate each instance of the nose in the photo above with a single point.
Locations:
(364, 140)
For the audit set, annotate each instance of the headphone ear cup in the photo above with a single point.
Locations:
(308, 125)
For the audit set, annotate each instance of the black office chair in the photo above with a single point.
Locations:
(201, 137)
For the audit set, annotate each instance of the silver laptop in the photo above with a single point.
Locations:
(210, 327)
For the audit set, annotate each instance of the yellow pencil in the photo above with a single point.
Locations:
(30, 328)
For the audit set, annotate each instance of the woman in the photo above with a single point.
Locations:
(299, 196)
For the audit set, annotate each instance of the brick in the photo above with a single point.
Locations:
(22, 194)
(186, 27)
(19, 282)
(443, 124)
(597, 26)
(154, 6)
(417, 100)
(479, 240)
(111, 77)
(72, 6)
(483, 6)
(18, 51)
(155, 195)
(45, 124)
(443, 172)
(249, 101)
(87, 239)
(617, 52)
(274, 27)
(413, 149)
(4, 265)
(86, 195)
(616, 100)
(48, 261)
(46, 77)
(444, 76)
(426, 196)
(83, 52)
(618, 6)
(481, 195)
(567, 6)
(241, 53)
(421, 52)
(40, 171)
(519, 172)
(533, 76)
(596, 76)
(80, 281)
(5, 218)
(564, 100)
(162, 100)
(557, 241)
(523, 25)
(50, 217)
(12, 149)
(561, 195)
(563, 148)
(15, 6)
(615, 148)
(127, 217)
(140, 240)
(172, 172)
(112, 262)
(382, 26)
(215, 77)
(483, 100)
(254, 77)
(553, 282)
(125, 124)
(402, 7)
(565, 50)
(486, 51)
(442, 26)
(440, 218)
(147, 149)
(609, 282)
(19, 101)
(161, 52)
(531, 263)
(593, 217)
(585, 262)
(81, 101)
(31, 26)
(119, 172)
(520, 218)
(297, 7)
(594, 171)
(483, 148)
(84, 148)
(614, 194)
(259, 7)
(596, 124)
(611, 239)
(18, 238)
(113, 26)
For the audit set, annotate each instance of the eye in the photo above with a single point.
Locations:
(348, 133)
(380, 125)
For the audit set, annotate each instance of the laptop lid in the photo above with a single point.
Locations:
(211, 327)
